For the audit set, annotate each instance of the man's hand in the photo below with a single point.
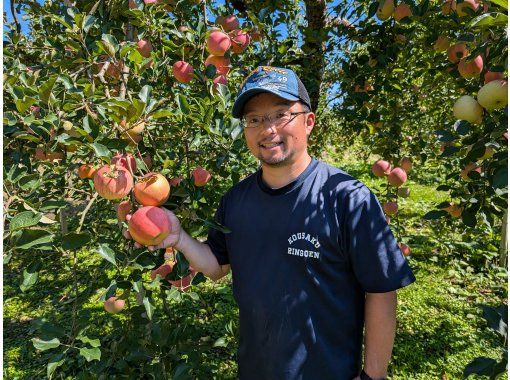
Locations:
(171, 240)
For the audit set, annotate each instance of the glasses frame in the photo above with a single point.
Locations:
(265, 117)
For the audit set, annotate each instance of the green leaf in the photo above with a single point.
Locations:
(500, 179)
(88, 22)
(182, 104)
(110, 44)
(73, 241)
(29, 280)
(480, 366)
(107, 253)
(30, 182)
(23, 104)
(220, 342)
(24, 219)
(148, 307)
(32, 238)
(90, 353)
(502, 3)
(45, 89)
(469, 218)
(44, 345)
(435, 214)
(51, 205)
(54, 362)
(210, 71)
(489, 19)
(87, 340)
(102, 151)
(145, 94)
(162, 113)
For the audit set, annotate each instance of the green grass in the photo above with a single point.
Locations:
(440, 328)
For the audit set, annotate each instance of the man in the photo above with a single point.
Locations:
(313, 260)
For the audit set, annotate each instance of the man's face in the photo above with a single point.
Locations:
(282, 146)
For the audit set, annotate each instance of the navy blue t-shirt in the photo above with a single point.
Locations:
(302, 257)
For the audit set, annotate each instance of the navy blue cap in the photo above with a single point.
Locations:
(276, 80)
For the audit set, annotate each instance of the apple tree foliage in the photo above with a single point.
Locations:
(71, 82)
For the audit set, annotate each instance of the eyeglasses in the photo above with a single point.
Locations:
(278, 119)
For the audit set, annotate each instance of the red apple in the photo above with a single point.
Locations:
(183, 71)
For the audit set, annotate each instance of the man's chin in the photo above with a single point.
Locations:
(275, 161)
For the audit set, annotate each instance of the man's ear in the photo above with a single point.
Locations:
(309, 123)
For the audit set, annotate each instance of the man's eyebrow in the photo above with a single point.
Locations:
(281, 103)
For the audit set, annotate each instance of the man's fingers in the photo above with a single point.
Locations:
(138, 245)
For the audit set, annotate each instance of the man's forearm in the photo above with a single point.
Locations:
(380, 324)
(199, 256)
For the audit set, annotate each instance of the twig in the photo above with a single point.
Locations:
(89, 205)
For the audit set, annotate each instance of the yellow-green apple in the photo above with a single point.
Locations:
(467, 108)
(385, 9)
(493, 95)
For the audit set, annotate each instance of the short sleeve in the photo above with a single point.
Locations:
(375, 256)
(216, 238)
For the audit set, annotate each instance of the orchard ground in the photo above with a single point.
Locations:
(440, 328)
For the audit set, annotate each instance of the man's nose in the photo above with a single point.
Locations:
(270, 124)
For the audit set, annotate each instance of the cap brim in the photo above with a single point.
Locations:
(237, 110)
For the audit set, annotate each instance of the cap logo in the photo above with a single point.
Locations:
(263, 73)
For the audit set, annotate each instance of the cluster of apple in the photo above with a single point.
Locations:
(396, 177)
(386, 9)
(219, 42)
(148, 225)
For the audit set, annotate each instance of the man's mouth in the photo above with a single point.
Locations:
(270, 145)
